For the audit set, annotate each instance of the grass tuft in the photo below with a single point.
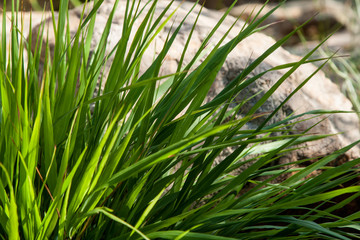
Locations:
(117, 164)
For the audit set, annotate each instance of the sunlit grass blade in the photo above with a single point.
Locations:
(12, 224)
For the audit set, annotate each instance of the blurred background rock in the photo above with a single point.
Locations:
(213, 4)
(219, 4)
(328, 16)
(27, 5)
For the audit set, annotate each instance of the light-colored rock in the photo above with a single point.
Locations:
(325, 15)
(319, 93)
(24, 20)
(27, 5)
(300, 11)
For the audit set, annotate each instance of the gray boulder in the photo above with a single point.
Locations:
(319, 93)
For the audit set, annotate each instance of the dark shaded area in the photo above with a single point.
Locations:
(350, 208)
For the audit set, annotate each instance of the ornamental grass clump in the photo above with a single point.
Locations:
(136, 159)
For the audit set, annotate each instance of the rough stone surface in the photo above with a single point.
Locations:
(323, 15)
(319, 93)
